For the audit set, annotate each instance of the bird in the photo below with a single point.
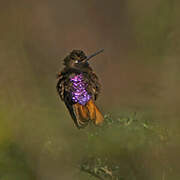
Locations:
(79, 87)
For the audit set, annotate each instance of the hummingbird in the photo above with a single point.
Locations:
(78, 86)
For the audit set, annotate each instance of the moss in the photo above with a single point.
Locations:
(115, 150)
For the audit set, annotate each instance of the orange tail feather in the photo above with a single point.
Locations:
(94, 113)
(81, 113)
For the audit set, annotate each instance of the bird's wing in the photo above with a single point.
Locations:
(60, 87)
(77, 111)
(94, 85)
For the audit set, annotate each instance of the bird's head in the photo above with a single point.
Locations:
(77, 59)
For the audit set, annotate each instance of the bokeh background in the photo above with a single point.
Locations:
(139, 71)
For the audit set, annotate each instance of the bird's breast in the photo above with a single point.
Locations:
(79, 92)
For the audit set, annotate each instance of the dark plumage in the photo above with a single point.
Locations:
(78, 86)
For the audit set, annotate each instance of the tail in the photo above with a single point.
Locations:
(94, 113)
(84, 114)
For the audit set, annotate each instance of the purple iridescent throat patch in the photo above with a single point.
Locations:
(79, 92)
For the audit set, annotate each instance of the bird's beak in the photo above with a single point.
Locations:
(92, 55)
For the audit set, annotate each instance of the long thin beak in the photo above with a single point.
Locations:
(92, 55)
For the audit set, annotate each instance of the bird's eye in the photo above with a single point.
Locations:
(76, 61)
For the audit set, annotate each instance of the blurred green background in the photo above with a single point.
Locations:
(139, 72)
